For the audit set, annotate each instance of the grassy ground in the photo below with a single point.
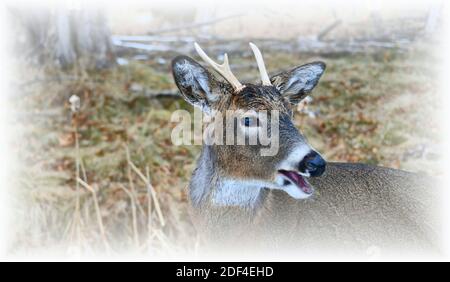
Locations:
(376, 109)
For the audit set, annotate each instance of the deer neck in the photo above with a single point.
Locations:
(207, 186)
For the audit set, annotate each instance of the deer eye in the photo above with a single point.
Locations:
(250, 121)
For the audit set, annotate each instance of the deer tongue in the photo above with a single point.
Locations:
(298, 180)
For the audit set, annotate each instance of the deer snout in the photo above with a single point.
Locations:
(312, 164)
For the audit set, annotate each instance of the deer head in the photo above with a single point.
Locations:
(295, 160)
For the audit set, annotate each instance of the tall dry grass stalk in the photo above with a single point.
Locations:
(97, 212)
(131, 192)
(130, 180)
(133, 214)
(75, 106)
(149, 211)
(151, 191)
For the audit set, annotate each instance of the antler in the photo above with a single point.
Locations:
(262, 68)
(223, 69)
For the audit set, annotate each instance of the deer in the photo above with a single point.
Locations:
(295, 201)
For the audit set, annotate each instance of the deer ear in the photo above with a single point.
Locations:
(197, 85)
(298, 82)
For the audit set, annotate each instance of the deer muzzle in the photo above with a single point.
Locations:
(312, 164)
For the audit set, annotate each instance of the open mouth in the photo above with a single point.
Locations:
(297, 180)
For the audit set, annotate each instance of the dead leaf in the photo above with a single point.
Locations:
(66, 139)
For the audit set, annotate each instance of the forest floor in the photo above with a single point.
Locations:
(377, 108)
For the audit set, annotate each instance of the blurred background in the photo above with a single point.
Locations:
(105, 177)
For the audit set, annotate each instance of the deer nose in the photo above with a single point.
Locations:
(313, 164)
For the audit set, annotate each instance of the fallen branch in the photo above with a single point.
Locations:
(141, 46)
(328, 29)
(162, 94)
(195, 25)
(152, 38)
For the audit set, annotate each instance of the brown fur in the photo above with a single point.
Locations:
(356, 207)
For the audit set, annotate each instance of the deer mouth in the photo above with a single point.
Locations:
(298, 180)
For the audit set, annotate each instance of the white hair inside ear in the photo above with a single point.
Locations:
(194, 83)
(304, 78)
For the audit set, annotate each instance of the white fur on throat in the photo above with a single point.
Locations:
(245, 193)
(237, 193)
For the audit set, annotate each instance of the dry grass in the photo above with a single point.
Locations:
(109, 179)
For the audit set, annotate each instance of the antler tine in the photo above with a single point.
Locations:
(262, 68)
(223, 69)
